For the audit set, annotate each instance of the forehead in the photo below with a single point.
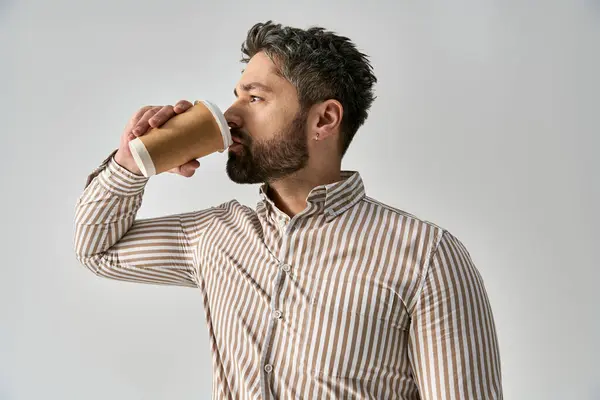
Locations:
(260, 69)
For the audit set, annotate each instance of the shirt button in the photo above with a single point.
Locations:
(268, 368)
(285, 267)
(277, 314)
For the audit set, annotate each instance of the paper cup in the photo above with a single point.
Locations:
(198, 132)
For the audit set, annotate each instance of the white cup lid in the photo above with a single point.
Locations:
(221, 121)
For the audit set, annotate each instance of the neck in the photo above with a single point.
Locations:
(289, 194)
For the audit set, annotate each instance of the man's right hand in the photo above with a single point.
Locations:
(143, 120)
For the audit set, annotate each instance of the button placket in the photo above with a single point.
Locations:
(268, 368)
(276, 312)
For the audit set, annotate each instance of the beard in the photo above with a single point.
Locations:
(269, 160)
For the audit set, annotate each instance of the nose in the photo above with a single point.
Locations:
(233, 118)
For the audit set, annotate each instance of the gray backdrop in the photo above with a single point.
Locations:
(486, 124)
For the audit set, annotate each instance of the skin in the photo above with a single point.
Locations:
(271, 132)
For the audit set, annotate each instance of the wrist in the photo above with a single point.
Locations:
(120, 181)
(127, 163)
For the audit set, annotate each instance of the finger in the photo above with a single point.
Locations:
(188, 169)
(142, 126)
(136, 117)
(191, 165)
(187, 172)
(162, 116)
(139, 114)
(182, 106)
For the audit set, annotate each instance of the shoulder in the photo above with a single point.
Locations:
(233, 206)
(403, 215)
(409, 228)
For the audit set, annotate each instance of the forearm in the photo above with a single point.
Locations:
(106, 209)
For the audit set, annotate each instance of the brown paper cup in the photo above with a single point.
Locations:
(198, 132)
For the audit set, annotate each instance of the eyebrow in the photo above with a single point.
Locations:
(253, 85)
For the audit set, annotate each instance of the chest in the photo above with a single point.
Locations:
(333, 295)
(320, 271)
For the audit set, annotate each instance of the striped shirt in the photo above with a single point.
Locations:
(349, 299)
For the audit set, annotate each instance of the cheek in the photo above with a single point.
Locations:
(264, 124)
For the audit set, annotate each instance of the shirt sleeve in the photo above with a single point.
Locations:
(453, 348)
(112, 243)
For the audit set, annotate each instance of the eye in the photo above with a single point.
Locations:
(253, 99)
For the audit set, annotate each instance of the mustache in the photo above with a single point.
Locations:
(242, 135)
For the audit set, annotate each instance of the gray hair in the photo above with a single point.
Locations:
(322, 66)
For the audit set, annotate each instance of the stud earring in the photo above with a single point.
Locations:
(317, 136)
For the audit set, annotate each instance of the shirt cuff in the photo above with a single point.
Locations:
(121, 181)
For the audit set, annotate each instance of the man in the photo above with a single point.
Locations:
(320, 292)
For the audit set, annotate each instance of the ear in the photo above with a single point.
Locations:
(326, 120)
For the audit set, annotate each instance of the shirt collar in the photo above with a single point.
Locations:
(332, 199)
